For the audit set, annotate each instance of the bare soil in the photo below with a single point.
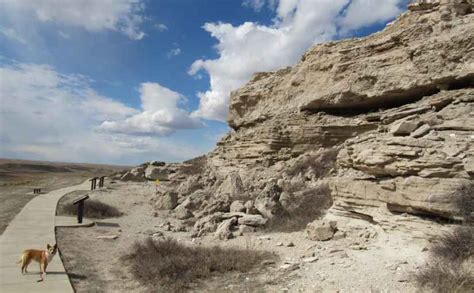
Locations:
(370, 258)
(19, 177)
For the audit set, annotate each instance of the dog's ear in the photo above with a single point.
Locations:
(48, 246)
(55, 246)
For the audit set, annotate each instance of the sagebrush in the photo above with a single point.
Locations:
(173, 266)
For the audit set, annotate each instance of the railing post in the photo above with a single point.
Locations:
(80, 211)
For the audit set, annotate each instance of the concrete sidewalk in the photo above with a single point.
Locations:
(33, 228)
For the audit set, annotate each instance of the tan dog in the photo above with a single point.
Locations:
(44, 257)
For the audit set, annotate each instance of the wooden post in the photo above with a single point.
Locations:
(93, 182)
(80, 211)
(101, 181)
(80, 207)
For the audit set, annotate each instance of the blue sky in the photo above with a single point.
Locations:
(128, 81)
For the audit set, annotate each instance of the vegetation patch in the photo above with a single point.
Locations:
(93, 209)
(304, 206)
(173, 266)
(451, 265)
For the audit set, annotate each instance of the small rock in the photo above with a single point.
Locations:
(279, 244)
(268, 262)
(310, 259)
(289, 267)
(290, 244)
(424, 249)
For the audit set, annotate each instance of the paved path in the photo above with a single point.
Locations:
(33, 228)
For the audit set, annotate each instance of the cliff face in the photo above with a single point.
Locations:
(398, 106)
(363, 128)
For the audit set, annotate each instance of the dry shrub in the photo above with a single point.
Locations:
(442, 277)
(320, 163)
(194, 166)
(455, 245)
(465, 202)
(451, 267)
(305, 207)
(174, 266)
(92, 209)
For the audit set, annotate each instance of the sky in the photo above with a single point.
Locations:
(130, 81)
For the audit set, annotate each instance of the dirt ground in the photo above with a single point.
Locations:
(370, 258)
(19, 177)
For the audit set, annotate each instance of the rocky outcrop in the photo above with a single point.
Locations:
(397, 105)
(385, 122)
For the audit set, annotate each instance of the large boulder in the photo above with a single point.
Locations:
(135, 175)
(252, 220)
(232, 186)
(168, 201)
(224, 230)
(156, 172)
(321, 230)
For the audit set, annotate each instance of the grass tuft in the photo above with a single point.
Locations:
(175, 266)
(451, 266)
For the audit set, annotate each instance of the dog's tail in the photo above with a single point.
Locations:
(21, 259)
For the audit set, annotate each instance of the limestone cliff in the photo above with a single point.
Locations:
(385, 123)
(399, 105)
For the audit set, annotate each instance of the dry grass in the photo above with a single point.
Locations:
(465, 202)
(173, 266)
(306, 206)
(320, 163)
(455, 245)
(442, 277)
(93, 209)
(451, 267)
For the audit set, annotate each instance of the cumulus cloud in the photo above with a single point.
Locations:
(161, 114)
(252, 47)
(124, 16)
(52, 116)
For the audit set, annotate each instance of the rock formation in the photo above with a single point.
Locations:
(386, 121)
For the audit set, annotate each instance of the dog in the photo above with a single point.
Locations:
(44, 257)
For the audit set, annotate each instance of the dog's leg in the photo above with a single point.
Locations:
(44, 268)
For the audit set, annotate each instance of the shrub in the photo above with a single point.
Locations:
(175, 266)
(320, 163)
(465, 202)
(455, 245)
(92, 209)
(451, 267)
(443, 277)
(304, 207)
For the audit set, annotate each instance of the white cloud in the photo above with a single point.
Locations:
(12, 34)
(51, 116)
(356, 15)
(173, 52)
(93, 15)
(256, 5)
(251, 47)
(160, 27)
(161, 114)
